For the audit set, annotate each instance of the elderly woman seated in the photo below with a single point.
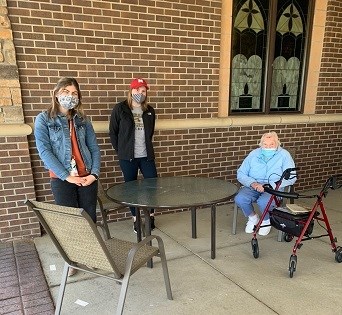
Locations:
(263, 165)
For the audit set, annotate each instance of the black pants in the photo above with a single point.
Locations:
(71, 195)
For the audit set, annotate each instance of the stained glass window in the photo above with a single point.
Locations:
(268, 55)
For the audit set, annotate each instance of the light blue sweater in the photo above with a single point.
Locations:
(255, 169)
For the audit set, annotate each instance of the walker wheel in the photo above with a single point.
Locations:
(288, 237)
(255, 247)
(292, 265)
(338, 255)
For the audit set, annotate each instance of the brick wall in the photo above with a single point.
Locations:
(175, 45)
(330, 87)
(217, 152)
(16, 181)
(16, 184)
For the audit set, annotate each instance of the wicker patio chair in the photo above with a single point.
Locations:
(80, 244)
(105, 206)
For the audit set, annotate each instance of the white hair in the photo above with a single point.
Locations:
(271, 134)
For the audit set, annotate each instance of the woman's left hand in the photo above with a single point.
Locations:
(88, 180)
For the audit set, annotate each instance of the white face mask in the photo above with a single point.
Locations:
(68, 101)
(139, 98)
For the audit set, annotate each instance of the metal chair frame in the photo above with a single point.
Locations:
(105, 207)
(79, 242)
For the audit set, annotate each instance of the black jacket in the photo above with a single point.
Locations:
(122, 129)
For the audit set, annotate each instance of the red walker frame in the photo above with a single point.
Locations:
(333, 182)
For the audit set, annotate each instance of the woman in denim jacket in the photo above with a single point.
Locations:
(67, 145)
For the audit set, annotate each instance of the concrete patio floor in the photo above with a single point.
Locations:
(233, 283)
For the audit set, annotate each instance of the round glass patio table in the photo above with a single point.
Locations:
(175, 192)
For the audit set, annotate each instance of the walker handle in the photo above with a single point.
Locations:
(291, 195)
(288, 173)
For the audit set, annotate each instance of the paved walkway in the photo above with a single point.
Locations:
(233, 283)
(23, 287)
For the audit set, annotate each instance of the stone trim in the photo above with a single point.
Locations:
(167, 124)
(9, 130)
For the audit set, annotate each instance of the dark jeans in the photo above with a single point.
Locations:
(71, 195)
(130, 170)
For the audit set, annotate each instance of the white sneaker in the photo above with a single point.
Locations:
(264, 230)
(252, 221)
(71, 271)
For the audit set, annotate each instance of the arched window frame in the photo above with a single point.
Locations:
(310, 78)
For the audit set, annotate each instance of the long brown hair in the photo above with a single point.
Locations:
(61, 84)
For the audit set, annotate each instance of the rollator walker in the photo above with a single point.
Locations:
(298, 221)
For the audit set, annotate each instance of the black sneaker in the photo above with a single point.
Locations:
(152, 223)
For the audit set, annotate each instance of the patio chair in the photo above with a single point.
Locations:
(80, 244)
(290, 188)
(105, 207)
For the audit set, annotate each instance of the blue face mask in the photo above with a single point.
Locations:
(268, 152)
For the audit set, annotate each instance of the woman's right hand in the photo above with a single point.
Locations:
(258, 187)
(75, 180)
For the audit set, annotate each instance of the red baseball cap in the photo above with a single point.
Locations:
(137, 83)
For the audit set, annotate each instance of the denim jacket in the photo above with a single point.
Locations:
(54, 143)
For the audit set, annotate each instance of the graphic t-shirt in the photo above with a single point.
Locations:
(76, 153)
(139, 143)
